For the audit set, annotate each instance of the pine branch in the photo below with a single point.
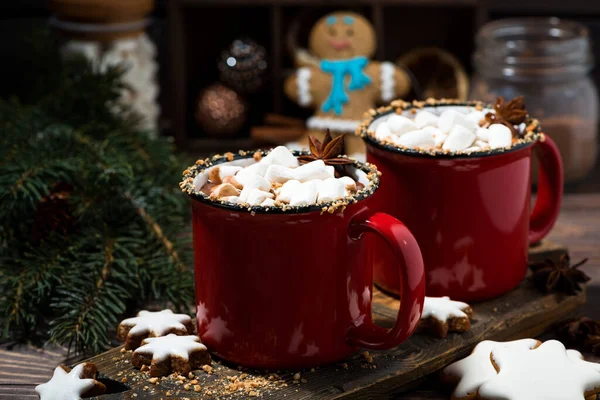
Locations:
(74, 155)
(157, 231)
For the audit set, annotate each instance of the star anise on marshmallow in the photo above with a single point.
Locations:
(508, 114)
(329, 151)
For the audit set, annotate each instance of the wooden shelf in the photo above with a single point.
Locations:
(420, 3)
(200, 29)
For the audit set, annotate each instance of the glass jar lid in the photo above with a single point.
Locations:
(533, 47)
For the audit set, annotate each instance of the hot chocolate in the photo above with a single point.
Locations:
(447, 127)
(278, 180)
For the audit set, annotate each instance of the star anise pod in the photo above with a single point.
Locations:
(508, 114)
(550, 276)
(329, 151)
(583, 332)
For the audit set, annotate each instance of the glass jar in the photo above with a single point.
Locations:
(112, 33)
(547, 60)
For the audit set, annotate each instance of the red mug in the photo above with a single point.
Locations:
(470, 214)
(293, 289)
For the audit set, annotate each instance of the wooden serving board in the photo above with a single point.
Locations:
(520, 313)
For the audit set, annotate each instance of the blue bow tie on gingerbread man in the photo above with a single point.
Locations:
(339, 69)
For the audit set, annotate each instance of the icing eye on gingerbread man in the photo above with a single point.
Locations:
(342, 35)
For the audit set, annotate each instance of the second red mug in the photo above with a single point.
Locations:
(291, 289)
(470, 214)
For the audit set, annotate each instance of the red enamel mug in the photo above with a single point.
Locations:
(293, 289)
(470, 214)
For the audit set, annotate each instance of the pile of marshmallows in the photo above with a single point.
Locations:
(450, 131)
(277, 177)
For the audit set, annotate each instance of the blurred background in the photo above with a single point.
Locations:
(211, 73)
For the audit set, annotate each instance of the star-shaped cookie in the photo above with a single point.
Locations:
(545, 373)
(471, 372)
(71, 384)
(171, 353)
(153, 324)
(442, 315)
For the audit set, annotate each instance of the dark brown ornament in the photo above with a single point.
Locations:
(550, 276)
(220, 111)
(243, 66)
(53, 213)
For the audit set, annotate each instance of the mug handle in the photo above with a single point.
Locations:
(412, 278)
(549, 189)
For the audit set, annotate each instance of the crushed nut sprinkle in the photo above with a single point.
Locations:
(187, 186)
(532, 129)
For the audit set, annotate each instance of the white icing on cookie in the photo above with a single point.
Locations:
(477, 368)
(65, 386)
(303, 85)
(158, 323)
(546, 373)
(442, 308)
(388, 83)
(577, 357)
(170, 345)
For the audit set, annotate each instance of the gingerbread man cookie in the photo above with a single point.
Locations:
(545, 373)
(171, 353)
(442, 315)
(72, 384)
(471, 372)
(346, 83)
(153, 324)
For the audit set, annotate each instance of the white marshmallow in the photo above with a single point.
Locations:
(278, 173)
(313, 170)
(331, 189)
(330, 170)
(399, 124)
(460, 138)
(438, 136)
(254, 182)
(246, 174)
(305, 195)
(482, 134)
(383, 132)
(475, 116)
(421, 139)
(482, 144)
(223, 171)
(451, 118)
(200, 180)
(425, 118)
(349, 182)
(257, 196)
(231, 199)
(285, 192)
(268, 203)
(440, 139)
(280, 155)
(500, 136)
(472, 149)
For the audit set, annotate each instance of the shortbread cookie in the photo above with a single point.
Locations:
(68, 384)
(441, 315)
(545, 373)
(153, 324)
(471, 372)
(171, 353)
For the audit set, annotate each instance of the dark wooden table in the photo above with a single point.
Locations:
(23, 367)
